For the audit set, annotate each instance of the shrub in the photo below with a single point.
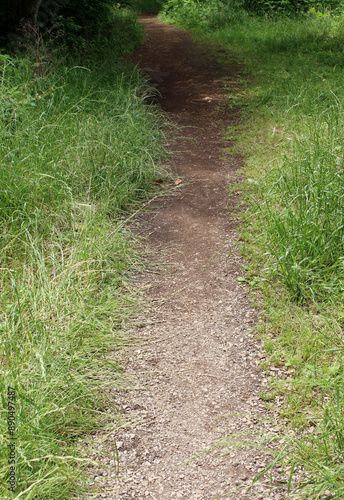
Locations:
(284, 6)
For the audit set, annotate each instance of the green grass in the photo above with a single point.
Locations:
(79, 152)
(293, 234)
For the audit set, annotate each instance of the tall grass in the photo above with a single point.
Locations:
(304, 210)
(79, 149)
(294, 237)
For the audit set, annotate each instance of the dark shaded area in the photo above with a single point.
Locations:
(76, 19)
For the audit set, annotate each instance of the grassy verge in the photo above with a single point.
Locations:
(294, 232)
(79, 151)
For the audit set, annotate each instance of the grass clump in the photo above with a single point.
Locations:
(293, 237)
(79, 150)
(304, 211)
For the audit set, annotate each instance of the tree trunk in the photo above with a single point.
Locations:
(26, 9)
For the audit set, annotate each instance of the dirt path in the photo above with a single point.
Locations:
(196, 379)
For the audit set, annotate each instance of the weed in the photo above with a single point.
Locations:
(270, 396)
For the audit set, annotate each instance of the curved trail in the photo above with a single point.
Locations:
(197, 379)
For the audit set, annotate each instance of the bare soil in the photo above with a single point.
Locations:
(195, 377)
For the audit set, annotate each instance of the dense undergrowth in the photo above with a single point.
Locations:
(79, 151)
(292, 137)
(146, 6)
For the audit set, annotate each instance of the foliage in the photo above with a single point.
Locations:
(192, 13)
(89, 15)
(118, 32)
(79, 148)
(142, 6)
(218, 13)
(287, 6)
(81, 21)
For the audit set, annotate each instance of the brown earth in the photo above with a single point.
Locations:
(195, 380)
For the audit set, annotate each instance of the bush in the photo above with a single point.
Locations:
(287, 6)
(89, 15)
(146, 5)
(195, 13)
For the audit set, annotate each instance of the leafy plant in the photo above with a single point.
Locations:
(287, 6)
(142, 6)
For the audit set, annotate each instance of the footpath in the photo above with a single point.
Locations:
(195, 377)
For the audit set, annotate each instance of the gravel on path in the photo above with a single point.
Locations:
(196, 379)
